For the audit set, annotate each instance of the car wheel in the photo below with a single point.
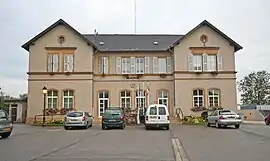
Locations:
(147, 128)
(217, 125)
(168, 127)
(267, 122)
(66, 127)
(237, 126)
(208, 124)
(5, 135)
(91, 124)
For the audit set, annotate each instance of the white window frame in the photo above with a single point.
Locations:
(68, 97)
(140, 65)
(162, 68)
(197, 62)
(213, 96)
(212, 62)
(125, 65)
(126, 98)
(68, 62)
(53, 63)
(163, 94)
(140, 95)
(198, 96)
(52, 97)
(103, 65)
(104, 99)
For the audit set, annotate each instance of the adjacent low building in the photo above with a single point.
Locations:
(91, 72)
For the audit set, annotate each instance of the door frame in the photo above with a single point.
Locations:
(104, 99)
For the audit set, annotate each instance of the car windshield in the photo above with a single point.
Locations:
(2, 114)
(226, 112)
(113, 112)
(75, 114)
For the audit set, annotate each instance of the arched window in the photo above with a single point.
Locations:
(68, 99)
(198, 98)
(213, 97)
(163, 97)
(125, 99)
(52, 99)
(103, 102)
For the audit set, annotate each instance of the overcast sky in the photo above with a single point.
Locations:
(246, 22)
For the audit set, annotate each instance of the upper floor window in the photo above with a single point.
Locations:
(198, 98)
(162, 65)
(53, 63)
(68, 62)
(205, 62)
(212, 62)
(139, 65)
(125, 65)
(68, 99)
(103, 65)
(197, 62)
(52, 99)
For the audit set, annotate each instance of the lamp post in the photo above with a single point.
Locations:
(44, 91)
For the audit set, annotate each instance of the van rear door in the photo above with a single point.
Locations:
(153, 117)
(162, 114)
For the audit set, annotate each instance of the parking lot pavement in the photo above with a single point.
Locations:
(249, 143)
(94, 144)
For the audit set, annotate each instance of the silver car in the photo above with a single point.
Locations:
(78, 119)
(224, 118)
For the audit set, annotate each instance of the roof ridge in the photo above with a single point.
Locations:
(135, 34)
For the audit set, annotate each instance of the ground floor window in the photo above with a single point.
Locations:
(68, 99)
(213, 98)
(198, 98)
(163, 97)
(103, 102)
(52, 99)
(125, 99)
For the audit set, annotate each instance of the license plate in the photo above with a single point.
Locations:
(74, 120)
(7, 129)
(112, 120)
(153, 117)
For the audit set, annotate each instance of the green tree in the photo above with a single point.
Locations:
(255, 88)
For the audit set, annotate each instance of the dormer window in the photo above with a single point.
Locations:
(155, 42)
(101, 43)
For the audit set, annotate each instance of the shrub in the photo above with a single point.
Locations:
(193, 120)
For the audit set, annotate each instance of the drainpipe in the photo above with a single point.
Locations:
(169, 49)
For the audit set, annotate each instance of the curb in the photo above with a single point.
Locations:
(254, 123)
(179, 152)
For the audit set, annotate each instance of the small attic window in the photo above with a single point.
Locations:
(101, 43)
(155, 42)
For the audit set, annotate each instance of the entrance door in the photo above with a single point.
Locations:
(103, 105)
(14, 114)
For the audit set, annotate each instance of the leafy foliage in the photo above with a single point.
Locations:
(255, 88)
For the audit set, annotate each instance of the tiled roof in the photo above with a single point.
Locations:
(132, 42)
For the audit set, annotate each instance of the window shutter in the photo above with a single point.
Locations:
(155, 65)
(55, 63)
(71, 62)
(100, 65)
(66, 62)
(190, 62)
(50, 63)
(204, 62)
(106, 65)
(146, 64)
(118, 65)
(169, 64)
(133, 65)
(219, 62)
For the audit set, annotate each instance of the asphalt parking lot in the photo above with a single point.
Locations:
(94, 144)
(249, 143)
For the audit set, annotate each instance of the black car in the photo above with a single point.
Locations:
(113, 118)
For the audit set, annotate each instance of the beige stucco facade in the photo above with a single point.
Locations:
(86, 82)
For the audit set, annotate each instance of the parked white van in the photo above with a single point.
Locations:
(157, 115)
